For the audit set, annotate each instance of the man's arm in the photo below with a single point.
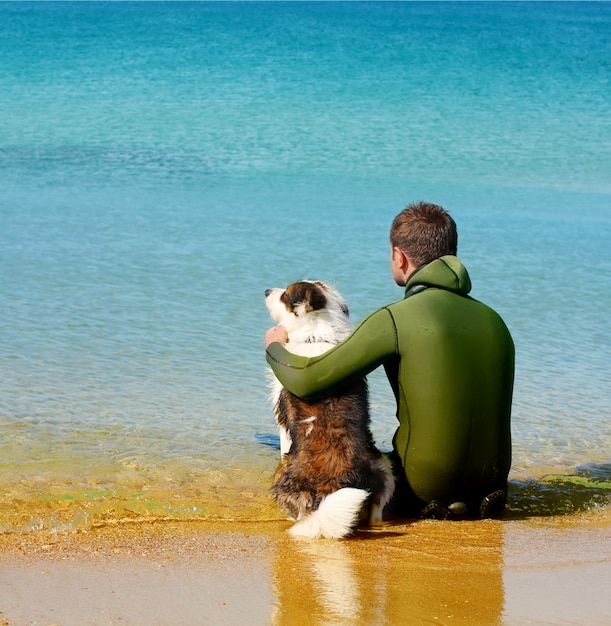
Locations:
(372, 343)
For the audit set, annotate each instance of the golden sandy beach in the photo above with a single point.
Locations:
(546, 570)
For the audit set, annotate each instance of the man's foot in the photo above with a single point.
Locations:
(435, 510)
(493, 504)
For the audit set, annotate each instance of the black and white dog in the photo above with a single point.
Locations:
(330, 469)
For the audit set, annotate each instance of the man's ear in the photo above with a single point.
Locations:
(403, 261)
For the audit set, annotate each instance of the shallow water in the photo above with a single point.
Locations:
(164, 163)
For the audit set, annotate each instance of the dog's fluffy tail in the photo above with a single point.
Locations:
(336, 516)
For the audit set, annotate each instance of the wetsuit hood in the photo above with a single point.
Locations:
(446, 272)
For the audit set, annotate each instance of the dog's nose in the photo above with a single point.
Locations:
(267, 292)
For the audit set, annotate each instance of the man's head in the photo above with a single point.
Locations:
(420, 234)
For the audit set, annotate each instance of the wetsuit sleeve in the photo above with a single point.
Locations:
(372, 343)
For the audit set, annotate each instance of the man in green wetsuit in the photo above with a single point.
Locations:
(450, 362)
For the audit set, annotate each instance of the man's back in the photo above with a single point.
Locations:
(455, 377)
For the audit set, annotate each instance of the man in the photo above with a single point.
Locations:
(450, 362)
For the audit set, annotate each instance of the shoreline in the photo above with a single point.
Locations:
(542, 570)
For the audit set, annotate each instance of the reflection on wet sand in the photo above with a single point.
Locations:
(541, 570)
(410, 573)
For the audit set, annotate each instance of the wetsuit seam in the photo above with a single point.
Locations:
(402, 454)
(392, 317)
(284, 363)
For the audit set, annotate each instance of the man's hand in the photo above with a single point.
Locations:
(277, 333)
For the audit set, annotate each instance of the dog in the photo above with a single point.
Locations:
(330, 471)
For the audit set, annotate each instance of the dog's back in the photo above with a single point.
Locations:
(332, 446)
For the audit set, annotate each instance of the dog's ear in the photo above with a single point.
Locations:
(304, 296)
(314, 299)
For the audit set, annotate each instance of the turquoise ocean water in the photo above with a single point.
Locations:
(162, 164)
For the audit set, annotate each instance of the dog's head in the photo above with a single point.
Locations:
(310, 311)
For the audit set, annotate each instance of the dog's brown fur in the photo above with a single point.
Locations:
(333, 451)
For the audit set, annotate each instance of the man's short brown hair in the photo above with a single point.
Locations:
(424, 232)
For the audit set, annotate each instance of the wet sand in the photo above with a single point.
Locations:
(554, 570)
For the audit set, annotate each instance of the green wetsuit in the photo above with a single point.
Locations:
(450, 362)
